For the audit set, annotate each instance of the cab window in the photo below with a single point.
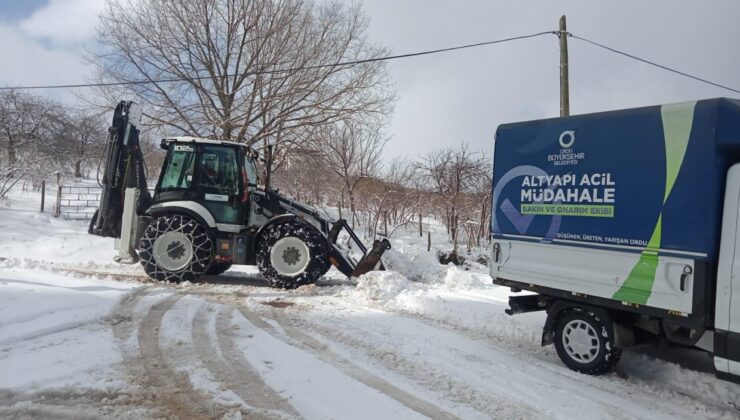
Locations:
(178, 168)
(251, 172)
(218, 170)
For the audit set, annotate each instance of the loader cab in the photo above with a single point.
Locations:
(211, 174)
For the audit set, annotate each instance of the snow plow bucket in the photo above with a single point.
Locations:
(344, 263)
(371, 260)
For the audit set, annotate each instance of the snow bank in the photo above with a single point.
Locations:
(27, 234)
(53, 331)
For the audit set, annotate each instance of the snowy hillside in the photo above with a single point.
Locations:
(81, 336)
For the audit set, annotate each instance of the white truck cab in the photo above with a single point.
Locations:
(726, 342)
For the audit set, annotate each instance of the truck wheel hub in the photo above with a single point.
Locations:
(173, 251)
(580, 341)
(289, 256)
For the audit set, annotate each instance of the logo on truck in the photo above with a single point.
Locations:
(567, 138)
(566, 156)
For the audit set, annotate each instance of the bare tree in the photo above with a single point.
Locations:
(84, 134)
(244, 70)
(298, 173)
(483, 192)
(392, 199)
(24, 123)
(452, 174)
(352, 151)
(30, 128)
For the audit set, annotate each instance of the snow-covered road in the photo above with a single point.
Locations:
(234, 347)
(84, 338)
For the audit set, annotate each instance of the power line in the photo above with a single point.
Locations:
(289, 70)
(652, 63)
(376, 59)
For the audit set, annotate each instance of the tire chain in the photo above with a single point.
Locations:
(198, 236)
(313, 239)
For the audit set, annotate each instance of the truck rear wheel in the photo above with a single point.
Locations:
(585, 342)
(292, 254)
(175, 248)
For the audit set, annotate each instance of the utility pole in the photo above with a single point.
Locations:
(564, 91)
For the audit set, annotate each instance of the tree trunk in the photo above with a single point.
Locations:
(341, 204)
(454, 232)
(78, 169)
(11, 155)
(352, 207)
(385, 223)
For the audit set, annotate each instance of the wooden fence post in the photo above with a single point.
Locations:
(58, 207)
(43, 195)
(429, 241)
(421, 234)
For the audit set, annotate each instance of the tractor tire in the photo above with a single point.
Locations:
(585, 342)
(218, 268)
(175, 248)
(292, 254)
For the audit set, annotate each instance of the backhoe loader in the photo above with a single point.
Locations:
(208, 212)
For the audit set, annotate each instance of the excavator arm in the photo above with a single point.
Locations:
(122, 167)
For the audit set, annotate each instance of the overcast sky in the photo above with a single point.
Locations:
(463, 95)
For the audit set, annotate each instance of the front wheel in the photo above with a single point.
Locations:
(175, 248)
(292, 254)
(585, 342)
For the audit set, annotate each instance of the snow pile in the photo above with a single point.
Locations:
(412, 270)
(415, 265)
(461, 297)
(380, 287)
(457, 278)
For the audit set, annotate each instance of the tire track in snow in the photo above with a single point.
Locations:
(419, 405)
(148, 366)
(222, 358)
(62, 403)
(528, 379)
(350, 369)
(430, 377)
(646, 393)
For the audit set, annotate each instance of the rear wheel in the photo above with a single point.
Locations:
(175, 248)
(291, 254)
(585, 342)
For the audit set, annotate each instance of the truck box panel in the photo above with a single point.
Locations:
(648, 182)
(624, 179)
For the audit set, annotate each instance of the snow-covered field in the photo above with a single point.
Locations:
(83, 337)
